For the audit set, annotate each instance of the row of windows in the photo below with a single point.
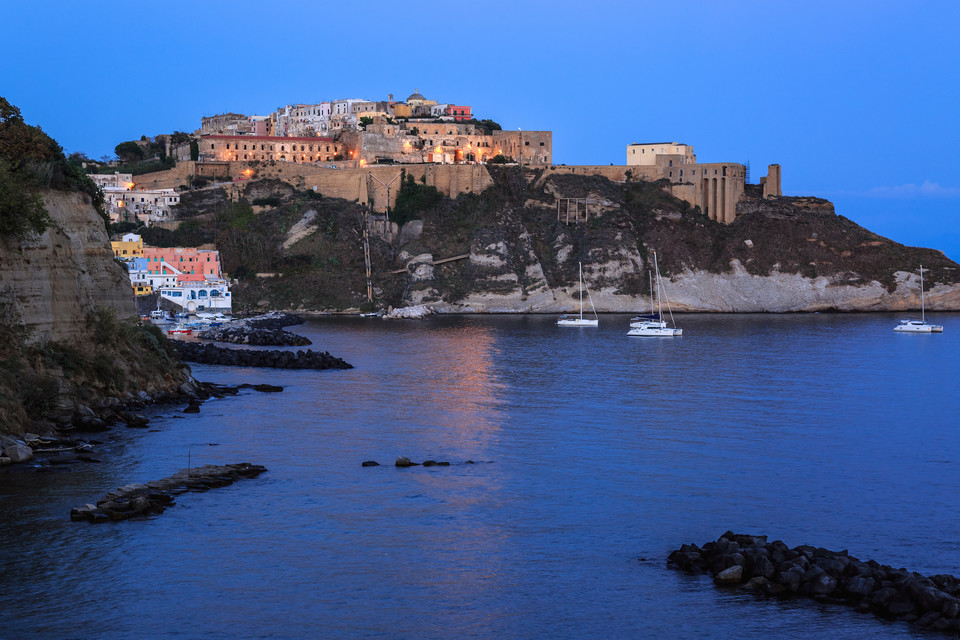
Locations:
(293, 147)
(457, 144)
(155, 200)
(180, 258)
(293, 158)
(195, 294)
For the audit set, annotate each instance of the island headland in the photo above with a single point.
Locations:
(515, 247)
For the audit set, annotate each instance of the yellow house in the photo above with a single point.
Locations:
(129, 245)
(142, 289)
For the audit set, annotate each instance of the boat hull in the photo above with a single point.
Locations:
(577, 322)
(918, 327)
(653, 330)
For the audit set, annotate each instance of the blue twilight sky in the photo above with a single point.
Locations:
(858, 101)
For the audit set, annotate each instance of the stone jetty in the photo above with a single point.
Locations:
(274, 358)
(264, 330)
(774, 569)
(153, 497)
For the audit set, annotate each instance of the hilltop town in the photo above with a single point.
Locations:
(339, 148)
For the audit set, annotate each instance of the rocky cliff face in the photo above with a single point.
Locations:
(67, 337)
(52, 283)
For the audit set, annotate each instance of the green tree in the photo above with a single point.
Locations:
(194, 150)
(129, 151)
(21, 207)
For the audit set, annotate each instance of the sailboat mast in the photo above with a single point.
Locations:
(581, 289)
(650, 273)
(923, 316)
(656, 269)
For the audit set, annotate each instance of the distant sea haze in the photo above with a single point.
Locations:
(593, 456)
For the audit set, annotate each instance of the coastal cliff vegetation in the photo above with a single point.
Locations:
(45, 382)
(30, 161)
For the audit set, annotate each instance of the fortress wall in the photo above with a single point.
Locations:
(169, 179)
(360, 185)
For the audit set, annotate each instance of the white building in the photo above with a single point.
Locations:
(147, 205)
(211, 293)
(116, 179)
(645, 153)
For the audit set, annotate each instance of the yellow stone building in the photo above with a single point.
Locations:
(128, 246)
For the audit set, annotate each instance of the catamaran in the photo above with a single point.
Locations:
(653, 325)
(921, 325)
(579, 321)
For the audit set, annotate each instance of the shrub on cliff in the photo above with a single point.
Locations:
(31, 160)
(413, 200)
(21, 207)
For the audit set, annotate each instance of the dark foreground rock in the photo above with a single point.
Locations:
(152, 498)
(774, 569)
(264, 330)
(212, 354)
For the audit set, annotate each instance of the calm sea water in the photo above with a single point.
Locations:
(597, 455)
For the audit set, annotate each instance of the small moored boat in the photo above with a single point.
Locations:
(569, 320)
(653, 325)
(921, 325)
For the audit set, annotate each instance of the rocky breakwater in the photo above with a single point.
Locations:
(272, 358)
(774, 569)
(264, 330)
(153, 497)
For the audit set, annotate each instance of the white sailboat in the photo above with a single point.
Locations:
(921, 325)
(653, 325)
(580, 321)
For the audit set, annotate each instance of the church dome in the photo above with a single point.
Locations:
(416, 97)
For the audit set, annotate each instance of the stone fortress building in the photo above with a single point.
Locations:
(715, 187)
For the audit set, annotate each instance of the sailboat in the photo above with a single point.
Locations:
(653, 325)
(580, 321)
(921, 325)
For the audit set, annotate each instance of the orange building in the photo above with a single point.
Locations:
(186, 260)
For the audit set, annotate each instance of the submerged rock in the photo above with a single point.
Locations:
(152, 498)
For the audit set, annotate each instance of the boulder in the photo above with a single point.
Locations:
(823, 585)
(900, 608)
(758, 583)
(790, 580)
(859, 586)
(267, 388)
(18, 453)
(760, 565)
(404, 462)
(731, 575)
(370, 463)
